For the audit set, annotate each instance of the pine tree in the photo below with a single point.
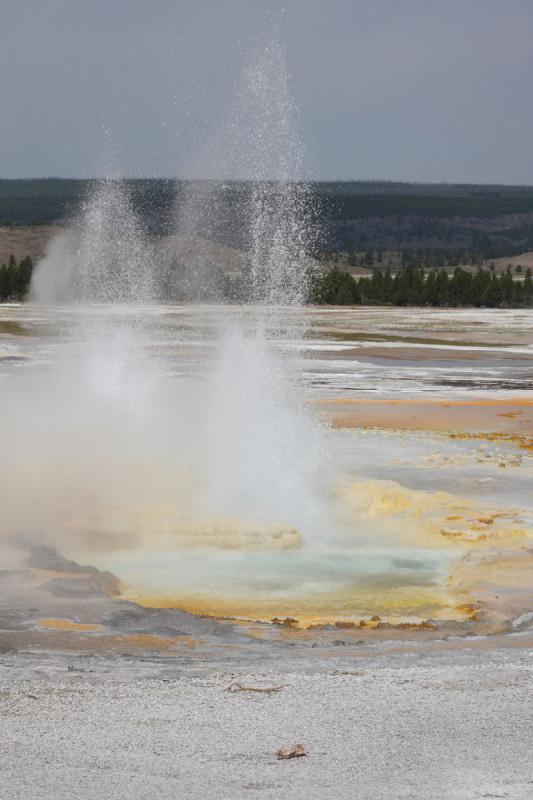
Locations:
(528, 288)
(388, 285)
(493, 295)
(5, 284)
(369, 258)
(506, 284)
(441, 288)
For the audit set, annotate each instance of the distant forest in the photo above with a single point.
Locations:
(412, 286)
(482, 221)
(419, 244)
(15, 279)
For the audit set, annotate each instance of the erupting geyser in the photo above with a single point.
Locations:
(103, 257)
(148, 453)
(172, 445)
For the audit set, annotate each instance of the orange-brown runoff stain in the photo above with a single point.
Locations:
(68, 625)
(482, 402)
(467, 609)
(503, 417)
(137, 641)
(149, 641)
(522, 442)
(464, 536)
(67, 640)
(306, 613)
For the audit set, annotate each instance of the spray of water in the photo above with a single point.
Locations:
(261, 453)
(102, 258)
(256, 430)
(135, 454)
(280, 206)
(100, 265)
(248, 187)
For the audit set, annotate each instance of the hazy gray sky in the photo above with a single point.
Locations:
(403, 89)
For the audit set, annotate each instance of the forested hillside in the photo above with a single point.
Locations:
(480, 221)
(375, 242)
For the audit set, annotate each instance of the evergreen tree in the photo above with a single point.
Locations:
(388, 286)
(336, 288)
(528, 288)
(430, 292)
(480, 283)
(493, 295)
(460, 289)
(5, 284)
(376, 286)
(518, 293)
(507, 287)
(369, 258)
(23, 278)
(15, 280)
(441, 287)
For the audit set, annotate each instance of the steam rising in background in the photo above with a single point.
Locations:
(104, 254)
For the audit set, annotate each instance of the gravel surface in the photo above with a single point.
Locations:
(453, 726)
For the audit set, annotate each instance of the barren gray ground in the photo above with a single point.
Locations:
(429, 727)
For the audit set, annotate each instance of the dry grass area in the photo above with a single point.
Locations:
(524, 259)
(31, 240)
(25, 240)
(202, 252)
(392, 259)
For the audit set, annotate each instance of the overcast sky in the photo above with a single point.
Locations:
(426, 90)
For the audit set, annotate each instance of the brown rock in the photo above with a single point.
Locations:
(295, 751)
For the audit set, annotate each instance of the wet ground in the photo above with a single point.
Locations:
(428, 417)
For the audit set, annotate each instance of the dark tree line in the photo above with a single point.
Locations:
(412, 286)
(15, 279)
